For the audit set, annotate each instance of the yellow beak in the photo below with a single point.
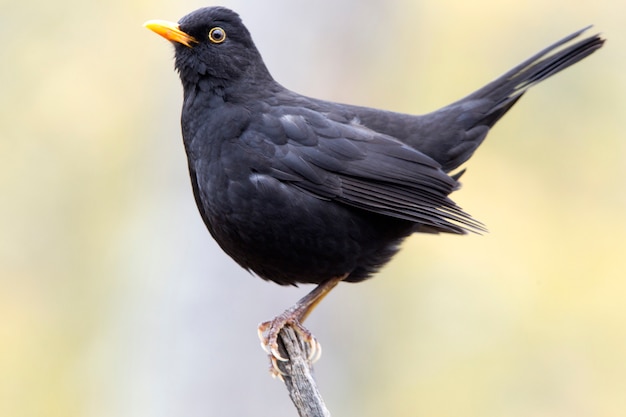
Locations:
(170, 31)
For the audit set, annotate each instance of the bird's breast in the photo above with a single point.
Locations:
(274, 229)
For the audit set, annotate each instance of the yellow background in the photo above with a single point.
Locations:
(114, 300)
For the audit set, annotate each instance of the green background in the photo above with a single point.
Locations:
(114, 300)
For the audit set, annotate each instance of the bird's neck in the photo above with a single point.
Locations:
(215, 91)
(227, 105)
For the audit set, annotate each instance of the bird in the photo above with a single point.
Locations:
(299, 190)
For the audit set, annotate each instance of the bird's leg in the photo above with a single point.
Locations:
(294, 316)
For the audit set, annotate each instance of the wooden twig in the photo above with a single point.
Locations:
(298, 375)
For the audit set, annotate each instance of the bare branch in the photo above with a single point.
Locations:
(298, 375)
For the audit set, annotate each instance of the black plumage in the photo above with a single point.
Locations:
(301, 190)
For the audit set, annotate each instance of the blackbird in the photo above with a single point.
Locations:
(301, 190)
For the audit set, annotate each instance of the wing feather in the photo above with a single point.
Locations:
(351, 164)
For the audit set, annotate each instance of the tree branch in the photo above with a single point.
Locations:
(298, 375)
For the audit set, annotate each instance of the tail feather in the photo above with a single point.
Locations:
(537, 68)
(470, 118)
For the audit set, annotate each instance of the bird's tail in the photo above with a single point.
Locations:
(470, 118)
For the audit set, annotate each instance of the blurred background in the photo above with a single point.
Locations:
(115, 301)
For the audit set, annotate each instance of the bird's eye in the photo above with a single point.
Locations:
(217, 35)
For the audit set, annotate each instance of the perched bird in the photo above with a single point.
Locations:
(301, 190)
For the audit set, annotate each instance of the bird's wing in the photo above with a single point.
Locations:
(338, 159)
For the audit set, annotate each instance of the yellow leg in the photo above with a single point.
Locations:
(294, 316)
(312, 299)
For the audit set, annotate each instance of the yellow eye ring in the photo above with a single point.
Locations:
(217, 35)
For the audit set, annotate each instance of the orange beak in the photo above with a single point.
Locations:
(170, 31)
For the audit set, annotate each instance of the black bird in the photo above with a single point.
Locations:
(301, 190)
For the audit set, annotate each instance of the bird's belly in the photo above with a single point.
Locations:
(288, 236)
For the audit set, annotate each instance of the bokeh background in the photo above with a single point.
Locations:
(115, 301)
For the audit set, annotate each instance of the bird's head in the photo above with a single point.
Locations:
(212, 44)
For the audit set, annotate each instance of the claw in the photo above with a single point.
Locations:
(313, 348)
(276, 354)
(275, 370)
(268, 335)
(268, 331)
(260, 331)
(316, 351)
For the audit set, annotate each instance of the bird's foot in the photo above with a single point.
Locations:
(269, 330)
(268, 334)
